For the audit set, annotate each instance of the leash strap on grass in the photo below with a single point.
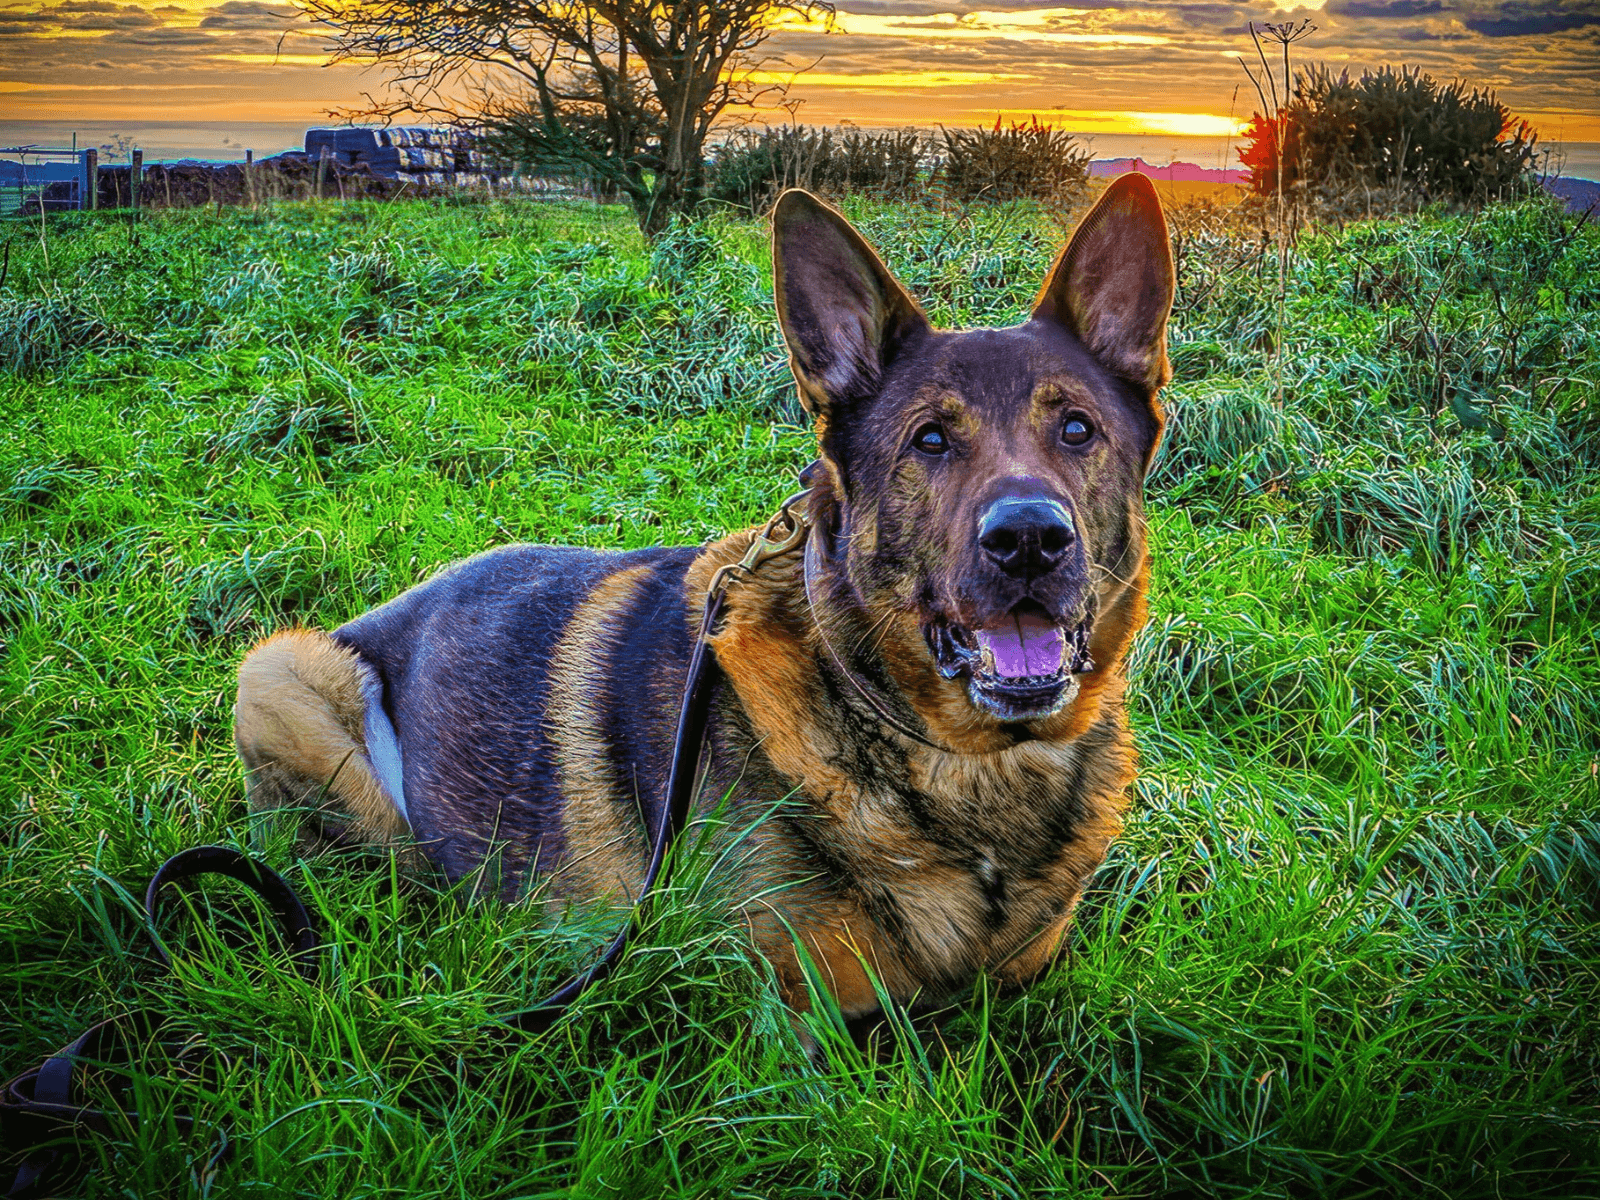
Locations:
(298, 932)
(43, 1110)
(686, 754)
(783, 534)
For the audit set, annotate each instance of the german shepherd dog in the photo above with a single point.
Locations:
(919, 728)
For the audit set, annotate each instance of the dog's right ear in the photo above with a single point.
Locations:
(844, 316)
(1113, 284)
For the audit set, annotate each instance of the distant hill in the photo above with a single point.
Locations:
(1581, 195)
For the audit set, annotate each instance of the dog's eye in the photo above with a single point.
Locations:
(1077, 430)
(930, 439)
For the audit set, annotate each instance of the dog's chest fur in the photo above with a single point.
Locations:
(928, 866)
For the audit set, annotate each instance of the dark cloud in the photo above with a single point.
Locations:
(130, 18)
(1521, 20)
(246, 14)
(896, 8)
(86, 16)
(1383, 8)
(1425, 33)
(1202, 16)
(1486, 17)
(165, 36)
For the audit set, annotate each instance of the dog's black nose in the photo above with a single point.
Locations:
(1026, 537)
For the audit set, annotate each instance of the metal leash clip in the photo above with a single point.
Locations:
(784, 533)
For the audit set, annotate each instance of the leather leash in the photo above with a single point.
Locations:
(783, 534)
(38, 1106)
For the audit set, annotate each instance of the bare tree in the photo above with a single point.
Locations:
(625, 90)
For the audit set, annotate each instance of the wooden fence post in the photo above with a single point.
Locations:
(135, 173)
(322, 169)
(250, 177)
(91, 171)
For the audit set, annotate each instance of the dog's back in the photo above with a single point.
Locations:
(537, 688)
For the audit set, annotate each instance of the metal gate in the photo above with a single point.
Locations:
(54, 177)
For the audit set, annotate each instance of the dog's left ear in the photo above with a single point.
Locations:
(1113, 284)
(844, 316)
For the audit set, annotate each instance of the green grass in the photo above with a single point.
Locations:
(1348, 945)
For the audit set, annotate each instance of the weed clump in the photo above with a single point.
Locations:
(49, 332)
(257, 590)
(39, 485)
(277, 422)
(1032, 161)
(751, 169)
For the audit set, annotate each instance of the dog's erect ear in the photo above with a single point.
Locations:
(1112, 285)
(843, 315)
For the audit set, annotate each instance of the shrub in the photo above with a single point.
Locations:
(1031, 161)
(1390, 130)
(580, 147)
(751, 169)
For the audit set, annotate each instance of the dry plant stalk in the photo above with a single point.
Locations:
(1285, 34)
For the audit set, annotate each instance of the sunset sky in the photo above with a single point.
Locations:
(1118, 66)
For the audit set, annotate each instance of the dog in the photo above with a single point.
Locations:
(919, 730)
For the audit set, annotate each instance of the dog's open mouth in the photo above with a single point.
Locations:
(1021, 667)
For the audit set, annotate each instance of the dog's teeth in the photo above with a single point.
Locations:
(950, 655)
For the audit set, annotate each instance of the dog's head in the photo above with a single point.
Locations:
(984, 487)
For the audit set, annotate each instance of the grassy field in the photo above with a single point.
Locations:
(1348, 946)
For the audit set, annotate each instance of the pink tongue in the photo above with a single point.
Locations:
(1023, 644)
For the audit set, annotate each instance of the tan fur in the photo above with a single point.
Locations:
(298, 727)
(605, 855)
(767, 650)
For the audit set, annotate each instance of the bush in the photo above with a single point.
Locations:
(752, 169)
(1031, 161)
(1390, 130)
(581, 147)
